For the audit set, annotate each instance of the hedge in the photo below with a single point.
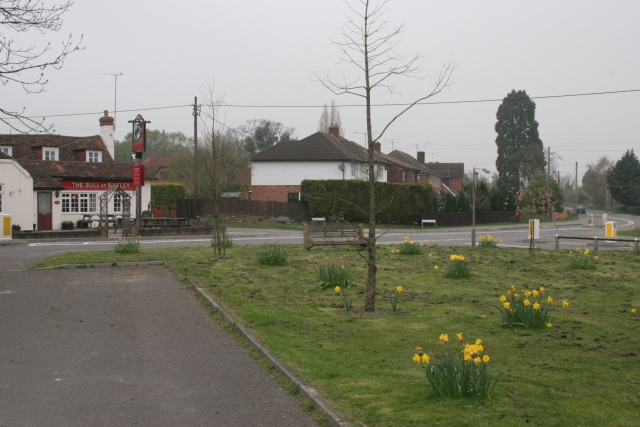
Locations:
(396, 203)
(167, 194)
(631, 210)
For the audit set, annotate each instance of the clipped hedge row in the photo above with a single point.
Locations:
(396, 203)
(167, 194)
(631, 210)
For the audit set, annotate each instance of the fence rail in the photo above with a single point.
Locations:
(188, 208)
(453, 219)
(596, 239)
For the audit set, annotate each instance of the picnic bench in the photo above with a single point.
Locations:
(428, 221)
(333, 235)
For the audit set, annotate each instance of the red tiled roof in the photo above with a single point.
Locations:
(401, 156)
(24, 145)
(448, 170)
(153, 164)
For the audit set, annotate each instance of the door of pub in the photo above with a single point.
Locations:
(45, 220)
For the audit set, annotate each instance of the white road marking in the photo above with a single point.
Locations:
(6, 292)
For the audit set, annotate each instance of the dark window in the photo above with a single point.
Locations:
(404, 176)
(294, 197)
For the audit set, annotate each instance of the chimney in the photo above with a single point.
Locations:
(421, 157)
(334, 130)
(107, 130)
(376, 147)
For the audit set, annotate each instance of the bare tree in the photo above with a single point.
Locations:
(330, 117)
(24, 65)
(368, 41)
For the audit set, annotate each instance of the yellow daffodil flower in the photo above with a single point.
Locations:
(541, 289)
(479, 341)
(411, 242)
(419, 349)
(435, 267)
(477, 360)
(527, 303)
(513, 288)
(536, 306)
(425, 359)
(565, 304)
(399, 289)
(343, 267)
(570, 252)
(416, 358)
(549, 299)
(444, 338)
(535, 293)
(460, 337)
(634, 311)
(430, 255)
(486, 358)
(506, 304)
(595, 257)
(421, 244)
(503, 298)
(482, 316)
(337, 289)
(526, 293)
(549, 325)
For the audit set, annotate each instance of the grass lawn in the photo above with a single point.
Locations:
(584, 371)
(633, 233)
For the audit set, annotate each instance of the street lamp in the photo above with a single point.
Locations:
(474, 180)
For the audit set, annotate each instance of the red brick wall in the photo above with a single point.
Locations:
(454, 183)
(243, 176)
(274, 193)
(394, 174)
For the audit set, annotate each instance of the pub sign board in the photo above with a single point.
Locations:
(139, 134)
(138, 175)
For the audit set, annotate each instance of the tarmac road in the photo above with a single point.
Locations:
(125, 347)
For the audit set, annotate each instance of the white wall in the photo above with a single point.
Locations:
(18, 190)
(293, 173)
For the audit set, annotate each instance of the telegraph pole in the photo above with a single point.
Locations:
(195, 157)
(576, 185)
(548, 179)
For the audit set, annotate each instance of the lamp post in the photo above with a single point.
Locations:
(474, 180)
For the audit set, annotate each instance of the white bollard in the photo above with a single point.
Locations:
(534, 228)
(590, 220)
(605, 218)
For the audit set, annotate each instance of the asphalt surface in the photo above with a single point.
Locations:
(125, 347)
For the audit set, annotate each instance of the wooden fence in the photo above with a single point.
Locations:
(243, 207)
(453, 219)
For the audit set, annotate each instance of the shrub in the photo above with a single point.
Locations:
(398, 203)
(167, 194)
(408, 247)
(127, 246)
(488, 241)
(583, 260)
(465, 374)
(283, 220)
(458, 268)
(272, 255)
(334, 274)
(527, 312)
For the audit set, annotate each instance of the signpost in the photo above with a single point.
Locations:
(138, 146)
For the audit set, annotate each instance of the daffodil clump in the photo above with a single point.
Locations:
(334, 273)
(527, 309)
(272, 255)
(583, 260)
(488, 241)
(409, 247)
(127, 245)
(347, 299)
(458, 268)
(465, 374)
(394, 296)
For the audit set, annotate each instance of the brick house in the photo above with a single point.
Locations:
(159, 166)
(452, 174)
(47, 179)
(278, 171)
(408, 169)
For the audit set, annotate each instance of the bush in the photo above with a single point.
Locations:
(458, 268)
(283, 220)
(167, 194)
(465, 374)
(396, 203)
(127, 246)
(333, 274)
(272, 255)
(527, 312)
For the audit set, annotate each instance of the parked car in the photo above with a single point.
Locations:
(580, 209)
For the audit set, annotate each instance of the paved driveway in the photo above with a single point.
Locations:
(125, 347)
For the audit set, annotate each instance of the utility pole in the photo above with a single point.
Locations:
(473, 208)
(548, 179)
(115, 102)
(195, 157)
(576, 185)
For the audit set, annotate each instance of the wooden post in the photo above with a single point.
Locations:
(305, 236)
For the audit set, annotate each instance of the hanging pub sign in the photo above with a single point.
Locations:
(139, 134)
(138, 175)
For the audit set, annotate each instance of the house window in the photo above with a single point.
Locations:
(94, 156)
(6, 149)
(380, 171)
(294, 197)
(404, 176)
(415, 176)
(79, 203)
(163, 175)
(1, 193)
(50, 153)
(354, 170)
(117, 203)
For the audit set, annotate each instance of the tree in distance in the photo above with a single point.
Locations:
(330, 117)
(25, 65)
(624, 180)
(368, 42)
(594, 181)
(520, 150)
(159, 144)
(260, 134)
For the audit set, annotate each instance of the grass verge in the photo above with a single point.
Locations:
(584, 370)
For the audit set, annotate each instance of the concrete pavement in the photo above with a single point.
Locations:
(125, 347)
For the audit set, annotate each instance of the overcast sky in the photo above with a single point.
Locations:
(265, 53)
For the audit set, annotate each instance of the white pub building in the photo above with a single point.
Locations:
(48, 179)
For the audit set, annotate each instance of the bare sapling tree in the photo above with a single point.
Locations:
(224, 156)
(368, 41)
(24, 65)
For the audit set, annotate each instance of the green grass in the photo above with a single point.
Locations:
(274, 255)
(633, 233)
(127, 246)
(584, 371)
